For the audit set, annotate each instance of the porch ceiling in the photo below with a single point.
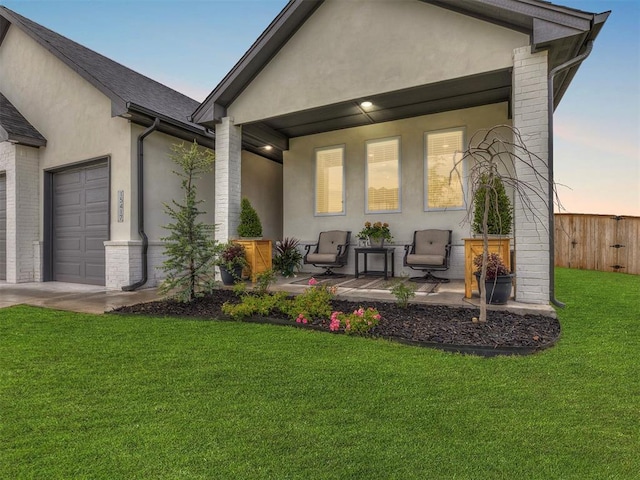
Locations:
(475, 90)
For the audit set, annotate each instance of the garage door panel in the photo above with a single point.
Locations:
(97, 175)
(67, 180)
(69, 244)
(68, 199)
(65, 221)
(68, 268)
(96, 219)
(94, 244)
(95, 270)
(80, 225)
(97, 196)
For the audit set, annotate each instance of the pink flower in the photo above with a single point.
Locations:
(312, 282)
(304, 320)
(335, 323)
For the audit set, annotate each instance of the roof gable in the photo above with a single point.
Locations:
(563, 30)
(15, 128)
(127, 89)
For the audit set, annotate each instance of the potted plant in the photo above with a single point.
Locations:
(498, 279)
(499, 210)
(231, 260)
(287, 258)
(376, 233)
(250, 225)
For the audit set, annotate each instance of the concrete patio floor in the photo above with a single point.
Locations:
(97, 299)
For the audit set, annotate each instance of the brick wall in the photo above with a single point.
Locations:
(20, 164)
(228, 168)
(530, 107)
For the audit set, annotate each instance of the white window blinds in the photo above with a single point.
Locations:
(443, 185)
(330, 181)
(383, 175)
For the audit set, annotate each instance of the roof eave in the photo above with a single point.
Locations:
(170, 126)
(21, 139)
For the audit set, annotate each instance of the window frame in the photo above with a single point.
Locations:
(425, 167)
(398, 139)
(316, 213)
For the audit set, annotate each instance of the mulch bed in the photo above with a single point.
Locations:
(434, 326)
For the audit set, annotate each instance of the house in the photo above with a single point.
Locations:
(73, 127)
(366, 102)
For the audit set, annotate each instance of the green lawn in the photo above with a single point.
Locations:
(86, 396)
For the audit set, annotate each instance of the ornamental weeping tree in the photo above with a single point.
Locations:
(491, 158)
(190, 247)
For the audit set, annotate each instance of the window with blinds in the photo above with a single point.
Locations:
(443, 189)
(383, 175)
(330, 181)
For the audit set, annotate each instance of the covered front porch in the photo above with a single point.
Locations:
(367, 122)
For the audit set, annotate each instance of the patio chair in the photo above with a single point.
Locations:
(330, 252)
(430, 251)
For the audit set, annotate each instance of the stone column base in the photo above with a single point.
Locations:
(123, 263)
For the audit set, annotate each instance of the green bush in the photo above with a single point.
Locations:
(500, 210)
(403, 291)
(264, 280)
(250, 225)
(263, 305)
(313, 304)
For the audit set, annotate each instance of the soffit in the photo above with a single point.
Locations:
(471, 91)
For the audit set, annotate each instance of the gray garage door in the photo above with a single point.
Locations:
(80, 224)
(3, 227)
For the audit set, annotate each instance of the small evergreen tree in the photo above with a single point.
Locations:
(190, 247)
(500, 212)
(250, 225)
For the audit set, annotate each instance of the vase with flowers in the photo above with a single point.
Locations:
(376, 233)
(231, 260)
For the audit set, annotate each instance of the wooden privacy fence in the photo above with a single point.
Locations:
(607, 243)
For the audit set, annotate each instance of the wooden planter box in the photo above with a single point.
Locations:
(258, 253)
(473, 247)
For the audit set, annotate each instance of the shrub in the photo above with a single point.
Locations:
(403, 291)
(500, 212)
(314, 303)
(264, 280)
(250, 225)
(360, 321)
(255, 305)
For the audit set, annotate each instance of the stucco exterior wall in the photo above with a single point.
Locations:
(161, 185)
(70, 113)
(351, 49)
(299, 219)
(262, 185)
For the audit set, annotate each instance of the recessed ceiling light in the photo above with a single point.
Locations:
(268, 147)
(366, 104)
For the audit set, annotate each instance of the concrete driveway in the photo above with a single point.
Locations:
(71, 296)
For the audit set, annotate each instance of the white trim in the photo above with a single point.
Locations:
(398, 139)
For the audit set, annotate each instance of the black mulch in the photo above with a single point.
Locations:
(419, 323)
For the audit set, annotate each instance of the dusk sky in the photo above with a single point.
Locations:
(191, 45)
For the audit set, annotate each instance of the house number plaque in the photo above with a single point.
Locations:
(120, 206)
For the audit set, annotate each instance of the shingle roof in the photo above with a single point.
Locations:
(14, 127)
(125, 87)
